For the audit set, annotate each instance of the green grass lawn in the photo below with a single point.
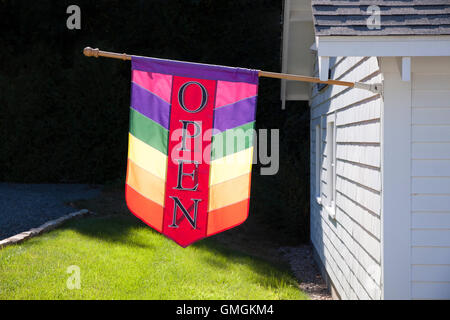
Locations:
(120, 258)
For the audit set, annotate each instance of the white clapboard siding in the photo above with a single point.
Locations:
(431, 272)
(430, 151)
(335, 102)
(430, 290)
(427, 202)
(431, 67)
(336, 97)
(432, 100)
(431, 168)
(359, 173)
(432, 185)
(361, 153)
(430, 255)
(431, 133)
(425, 83)
(364, 111)
(369, 199)
(430, 237)
(430, 178)
(431, 116)
(344, 252)
(333, 270)
(349, 246)
(430, 220)
(362, 216)
(359, 133)
(368, 242)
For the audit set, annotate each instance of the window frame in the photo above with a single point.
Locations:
(331, 166)
(318, 169)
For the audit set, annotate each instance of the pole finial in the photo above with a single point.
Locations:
(89, 52)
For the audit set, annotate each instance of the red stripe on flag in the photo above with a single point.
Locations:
(228, 217)
(145, 209)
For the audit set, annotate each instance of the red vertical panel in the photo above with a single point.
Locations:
(194, 91)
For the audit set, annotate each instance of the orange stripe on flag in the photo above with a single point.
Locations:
(149, 212)
(145, 183)
(229, 192)
(227, 217)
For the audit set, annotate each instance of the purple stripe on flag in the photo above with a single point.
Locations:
(194, 70)
(235, 115)
(150, 105)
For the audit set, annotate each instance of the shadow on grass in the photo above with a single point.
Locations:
(118, 229)
(269, 274)
(114, 229)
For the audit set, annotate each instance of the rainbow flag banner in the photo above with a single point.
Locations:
(190, 148)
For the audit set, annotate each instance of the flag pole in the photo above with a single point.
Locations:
(376, 87)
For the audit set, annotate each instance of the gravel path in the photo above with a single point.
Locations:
(26, 206)
(302, 264)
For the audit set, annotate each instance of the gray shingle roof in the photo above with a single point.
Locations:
(398, 17)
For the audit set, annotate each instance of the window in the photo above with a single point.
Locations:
(331, 169)
(318, 162)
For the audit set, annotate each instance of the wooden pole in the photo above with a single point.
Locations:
(89, 52)
(295, 77)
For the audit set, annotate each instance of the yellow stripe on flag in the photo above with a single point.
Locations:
(229, 192)
(145, 183)
(147, 157)
(230, 167)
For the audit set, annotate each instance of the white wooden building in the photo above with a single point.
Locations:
(380, 162)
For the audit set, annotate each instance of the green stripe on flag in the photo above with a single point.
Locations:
(148, 131)
(232, 141)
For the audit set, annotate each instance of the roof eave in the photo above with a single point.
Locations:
(383, 46)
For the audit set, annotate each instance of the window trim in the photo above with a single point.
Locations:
(331, 166)
(318, 168)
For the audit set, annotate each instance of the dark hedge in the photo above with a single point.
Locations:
(64, 117)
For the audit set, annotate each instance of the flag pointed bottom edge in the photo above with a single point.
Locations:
(181, 198)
